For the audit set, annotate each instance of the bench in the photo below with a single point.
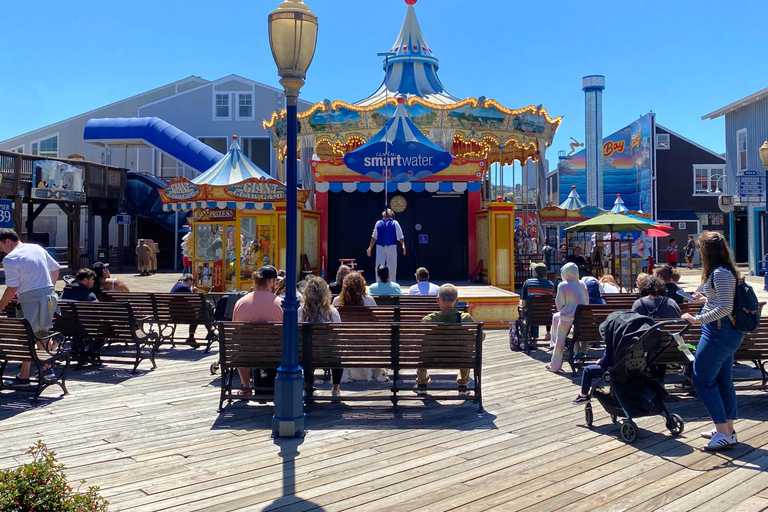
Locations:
(386, 313)
(407, 300)
(104, 323)
(174, 309)
(586, 328)
(538, 311)
(395, 346)
(19, 344)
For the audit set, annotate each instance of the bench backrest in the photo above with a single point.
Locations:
(440, 346)
(142, 303)
(66, 322)
(16, 339)
(403, 313)
(539, 309)
(106, 320)
(182, 308)
(347, 345)
(586, 324)
(250, 344)
(407, 300)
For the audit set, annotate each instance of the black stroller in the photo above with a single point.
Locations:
(634, 341)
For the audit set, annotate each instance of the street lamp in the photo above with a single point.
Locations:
(292, 37)
(764, 159)
(717, 183)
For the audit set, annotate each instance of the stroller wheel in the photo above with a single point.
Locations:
(614, 418)
(675, 424)
(628, 431)
(588, 415)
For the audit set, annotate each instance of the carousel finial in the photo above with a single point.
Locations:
(234, 137)
(410, 2)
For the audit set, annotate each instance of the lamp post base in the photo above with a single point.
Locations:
(289, 417)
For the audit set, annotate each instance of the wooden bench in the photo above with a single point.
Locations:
(247, 345)
(586, 328)
(19, 344)
(538, 311)
(395, 346)
(104, 323)
(405, 313)
(174, 309)
(407, 300)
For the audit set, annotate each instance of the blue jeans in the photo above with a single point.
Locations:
(591, 372)
(713, 370)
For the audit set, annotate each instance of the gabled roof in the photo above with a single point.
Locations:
(689, 141)
(737, 104)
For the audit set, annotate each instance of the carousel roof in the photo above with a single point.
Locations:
(573, 202)
(400, 129)
(618, 205)
(412, 70)
(233, 168)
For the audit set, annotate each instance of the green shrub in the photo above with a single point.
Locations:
(41, 486)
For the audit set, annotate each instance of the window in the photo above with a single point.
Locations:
(46, 147)
(662, 141)
(245, 106)
(222, 106)
(741, 150)
(708, 179)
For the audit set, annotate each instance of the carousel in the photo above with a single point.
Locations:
(237, 221)
(443, 203)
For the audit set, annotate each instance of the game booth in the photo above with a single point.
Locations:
(423, 152)
(237, 221)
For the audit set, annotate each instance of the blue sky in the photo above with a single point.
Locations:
(681, 59)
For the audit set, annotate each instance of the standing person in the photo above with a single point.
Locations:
(672, 253)
(353, 292)
(142, 257)
(343, 272)
(261, 305)
(316, 308)
(690, 249)
(187, 285)
(447, 297)
(597, 260)
(423, 286)
(384, 286)
(30, 273)
(570, 294)
(386, 233)
(80, 288)
(536, 285)
(713, 363)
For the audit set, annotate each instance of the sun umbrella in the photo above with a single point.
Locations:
(656, 233)
(618, 205)
(610, 222)
(573, 202)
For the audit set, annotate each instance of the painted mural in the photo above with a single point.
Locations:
(626, 168)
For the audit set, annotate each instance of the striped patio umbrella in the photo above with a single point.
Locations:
(573, 202)
(618, 205)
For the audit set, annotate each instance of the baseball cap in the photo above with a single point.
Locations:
(99, 267)
(540, 268)
(267, 272)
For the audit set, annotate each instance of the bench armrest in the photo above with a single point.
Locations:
(144, 322)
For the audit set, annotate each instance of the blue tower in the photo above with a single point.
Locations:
(593, 86)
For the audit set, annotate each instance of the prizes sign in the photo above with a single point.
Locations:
(6, 213)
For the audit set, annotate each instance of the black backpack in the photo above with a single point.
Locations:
(746, 309)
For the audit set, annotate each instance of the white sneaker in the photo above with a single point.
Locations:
(709, 433)
(336, 396)
(721, 442)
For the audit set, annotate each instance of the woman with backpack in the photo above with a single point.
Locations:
(713, 364)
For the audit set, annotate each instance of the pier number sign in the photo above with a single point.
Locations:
(6, 213)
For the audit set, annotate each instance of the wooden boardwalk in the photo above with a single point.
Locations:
(154, 441)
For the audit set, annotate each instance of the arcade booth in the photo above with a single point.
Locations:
(415, 148)
(237, 221)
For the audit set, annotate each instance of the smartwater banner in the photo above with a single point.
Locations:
(397, 161)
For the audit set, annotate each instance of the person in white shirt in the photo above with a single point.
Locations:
(386, 233)
(353, 292)
(29, 274)
(423, 286)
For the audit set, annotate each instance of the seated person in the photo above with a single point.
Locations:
(80, 288)
(341, 273)
(665, 273)
(447, 297)
(653, 301)
(353, 292)
(536, 285)
(579, 260)
(593, 289)
(104, 282)
(187, 285)
(423, 286)
(384, 286)
(609, 284)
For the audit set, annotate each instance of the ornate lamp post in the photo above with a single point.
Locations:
(764, 159)
(292, 37)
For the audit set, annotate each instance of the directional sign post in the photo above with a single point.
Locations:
(750, 187)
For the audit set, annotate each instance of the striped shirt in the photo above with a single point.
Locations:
(537, 286)
(720, 297)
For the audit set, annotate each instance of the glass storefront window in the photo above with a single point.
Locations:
(257, 236)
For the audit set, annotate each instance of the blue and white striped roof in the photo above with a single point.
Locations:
(618, 205)
(233, 168)
(573, 202)
(412, 71)
(402, 129)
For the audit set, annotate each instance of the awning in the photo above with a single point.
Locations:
(677, 215)
(403, 186)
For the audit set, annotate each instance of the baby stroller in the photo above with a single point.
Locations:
(634, 341)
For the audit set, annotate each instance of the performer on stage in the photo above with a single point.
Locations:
(386, 233)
